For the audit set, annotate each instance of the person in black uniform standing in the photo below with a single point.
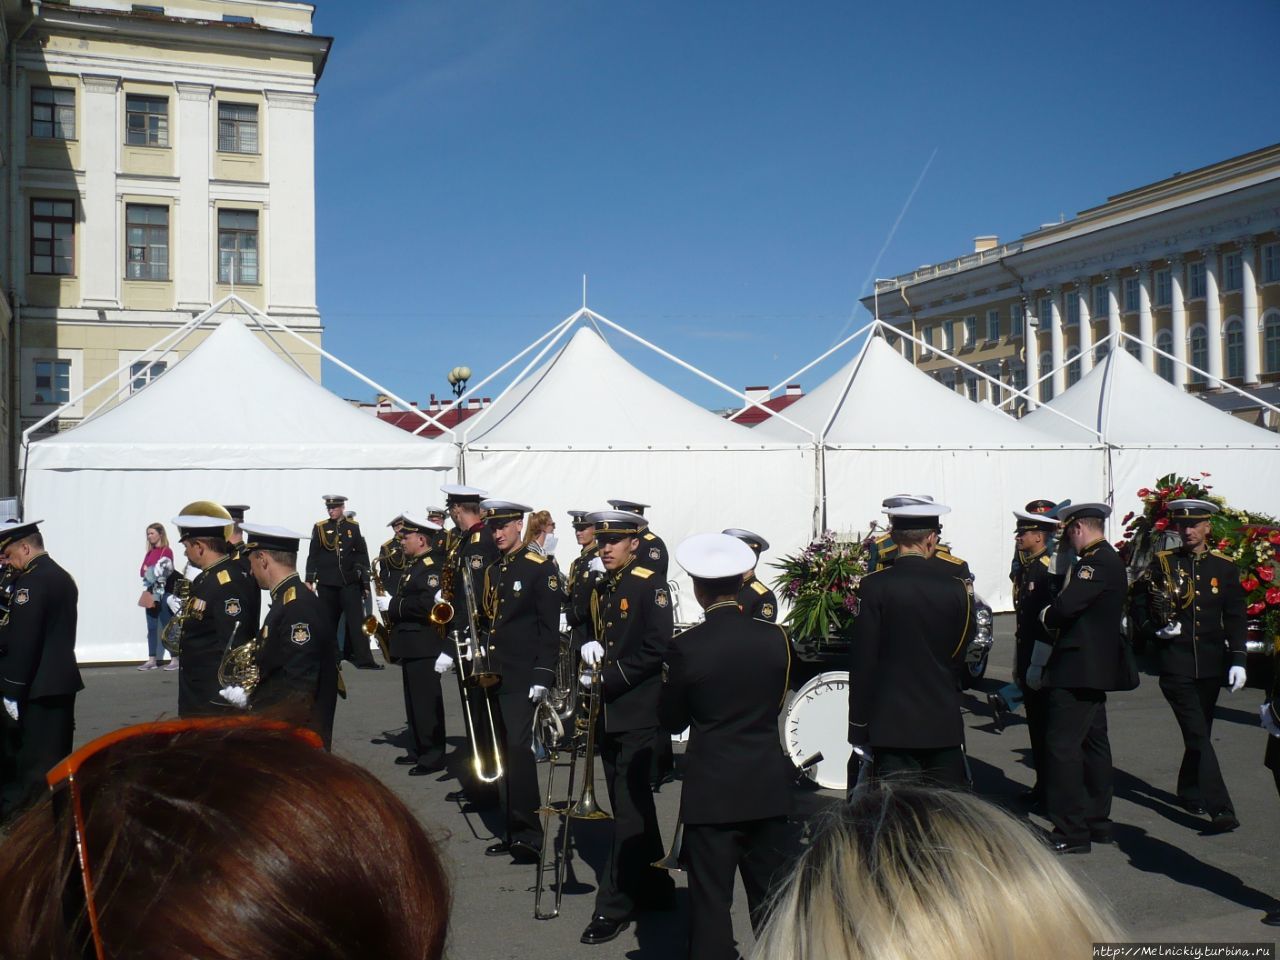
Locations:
(39, 678)
(726, 679)
(1076, 669)
(914, 622)
(1032, 592)
(523, 596)
(213, 617)
(239, 553)
(755, 599)
(417, 644)
(298, 678)
(338, 572)
(585, 572)
(632, 615)
(882, 551)
(1195, 608)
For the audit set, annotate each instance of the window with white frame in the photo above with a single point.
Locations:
(147, 241)
(1164, 365)
(1073, 366)
(1196, 285)
(926, 334)
(947, 334)
(970, 331)
(1164, 287)
(142, 372)
(238, 127)
(1232, 271)
(52, 381)
(1130, 294)
(1271, 342)
(1046, 382)
(1101, 300)
(1198, 352)
(1233, 334)
(1044, 312)
(993, 325)
(1271, 263)
(238, 246)
(146, 121)
(1073, 308)
(971, 387)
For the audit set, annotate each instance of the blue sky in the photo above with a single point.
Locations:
(728, 173)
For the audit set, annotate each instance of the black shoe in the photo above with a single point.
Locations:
(524, 852)
(602, 930)
(499, 849)
(1101, 836)
(456, 796)
(1223, 822)
(420, 771)
(369, 666)
(1067, 846)
(406, 761)
(656, 785)
(1272, 919)
(1031, 798)
(1193, 806)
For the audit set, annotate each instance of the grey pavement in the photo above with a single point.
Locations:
(1164, 878)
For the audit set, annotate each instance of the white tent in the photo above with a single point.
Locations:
(587, 426)
(886, 427)
(231, 422)
(1154, 428)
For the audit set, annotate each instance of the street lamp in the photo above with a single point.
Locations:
(458, 378)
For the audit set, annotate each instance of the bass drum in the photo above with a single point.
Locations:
(817, 719)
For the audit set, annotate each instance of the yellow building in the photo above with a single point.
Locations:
(157, 157)
(1189, 266)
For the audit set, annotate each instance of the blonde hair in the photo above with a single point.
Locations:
(164, 537)
(907, 871)
(535, 524)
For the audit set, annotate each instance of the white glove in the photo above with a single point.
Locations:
(444, 663)
(1035, 676)
(439, 595)
(163, 567)
(11, 708)
(592, 652)
(564, 623)
(175, 604)
(235, 696)
(1268, 721)
(1236, 678)
(586, 680)
(596, 565)
(538, 693)
(383, 601)
(1170, 630)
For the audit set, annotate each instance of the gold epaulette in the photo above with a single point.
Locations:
(475, 537)
(291, 595)
(1222, 556)
(1166, 553)
(535, 556)
(650, 536)
(427, 561)
(1044, 558)
(949, 557)
(223, 577)
(759, 587)
(644, 573)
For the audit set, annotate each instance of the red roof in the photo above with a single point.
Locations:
(408, 421)
(753, 415)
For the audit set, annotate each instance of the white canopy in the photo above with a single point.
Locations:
(231, 422)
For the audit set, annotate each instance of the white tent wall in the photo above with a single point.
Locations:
(982, 487)
(95, 525)
(1247, 479)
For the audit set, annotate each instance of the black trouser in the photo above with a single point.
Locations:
(519, 785)
(1034, 701)
(346, 603)
(1199, 777)
(41, 737)
(426, 710)
(941, 765)
(630, 881)
(1077, 763)
(712, 853)
(663, 760)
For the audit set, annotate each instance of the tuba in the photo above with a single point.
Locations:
(171, 635)
(1169, 591)
(239, 668)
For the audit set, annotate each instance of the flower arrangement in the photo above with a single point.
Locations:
(821, 585)
(1248, 539)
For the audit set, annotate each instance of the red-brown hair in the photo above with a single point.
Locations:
(221, 845)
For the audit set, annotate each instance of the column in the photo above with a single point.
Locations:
(190, 234)
(1113, 311)
(98, 258)
(1031, 346)
(1213, 316)
(1055, 340)
(1146, 326)
(1178, 319)
(1249, 310)
(1086, 325)
(290, 262)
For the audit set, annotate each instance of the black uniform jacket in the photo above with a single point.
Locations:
(1213, 622)
(524, 602)
(390, 563)
(757, 600)
(582, 583)
(883, 551)
(1032, 592)
(217, 608)
(338, 554)
(475, 554)
(913, 623)
(653, 554)
(413, 635)
(726, 679)
(299, 676)
(38, 635)
(1085, 621)
(635, 625)
(253, 596)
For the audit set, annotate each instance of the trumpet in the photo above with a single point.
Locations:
(171, 635)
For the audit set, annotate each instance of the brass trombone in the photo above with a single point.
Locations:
(377, 628)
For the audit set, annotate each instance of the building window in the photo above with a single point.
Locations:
(1271, 263)
(146, 121)
(1101, 350)
(1134, 347)
(1018, 375)
(53, 113)
(993, 325)
(1271, 342)
(970, 331)
(1046, 382)
(1199, 353)
(143, 372)
(926, 334)
(909, 350)
(52, 381)
(971, 387)
(1073, 366)
(1233, 333)
(238, 127)
(1164, 288)
(1101, 300)
(1073, 308)
(1231, 272)
(949, 379)
(1130, 294)
(1195, 280)
(147, 230)
(238, 246)
(945, 330)
(1164, 365)
(1044, 312)
(53, 237)
(1017, 320)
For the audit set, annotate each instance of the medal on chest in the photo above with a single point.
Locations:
(622, 608)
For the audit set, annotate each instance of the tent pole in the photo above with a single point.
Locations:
(844, 390)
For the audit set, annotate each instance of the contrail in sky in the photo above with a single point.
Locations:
(875, 265)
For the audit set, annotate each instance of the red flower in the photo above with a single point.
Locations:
(1163, 491)
(1266, 574)
(1274, 536)
(1254, 609)
(1249, 584)
(1127, 517)
(1273, 597)
(1144, 492)
(1161, 523)
(1177, 492)
(1205, 473)
(1224, 543)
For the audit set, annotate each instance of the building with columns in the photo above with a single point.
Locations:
(157, 156)
(1189, 266)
